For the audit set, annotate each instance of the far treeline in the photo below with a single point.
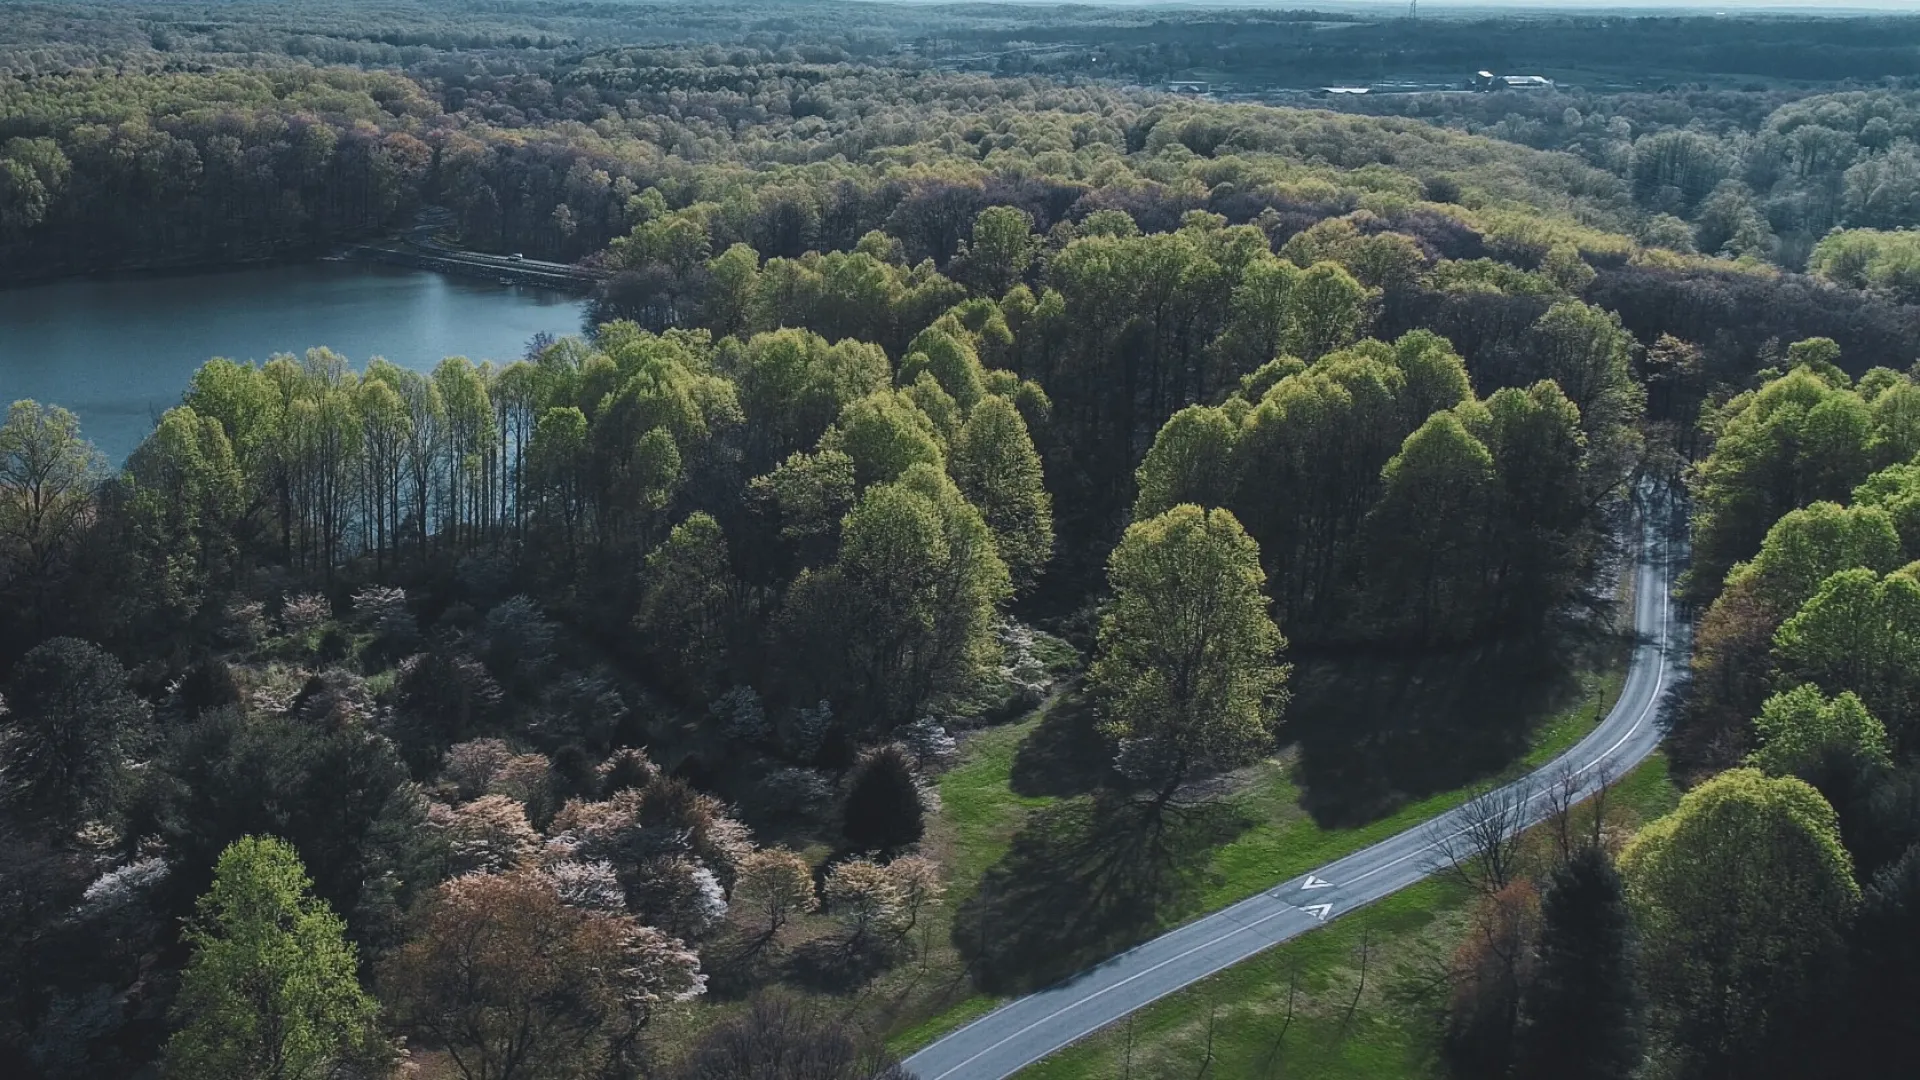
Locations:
(577, 716)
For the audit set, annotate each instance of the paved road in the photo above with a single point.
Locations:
(1024, 1031)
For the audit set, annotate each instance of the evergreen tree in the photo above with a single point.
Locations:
(64, 742)
(1582, 1019)
(883, 807)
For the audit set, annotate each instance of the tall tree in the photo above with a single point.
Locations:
(906, 610)
(1741, 895)
(271, 992)
(1000, 251)
(1191, 461)
(1326, 309)
(1582, 1019)
(1188, 674)
(48, 474)
(1430, 529)
(1795, 441)
(998, 470)
(181, 498)
(68, 734)
(689, 597)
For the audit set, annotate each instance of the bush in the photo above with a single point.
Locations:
(883, 811)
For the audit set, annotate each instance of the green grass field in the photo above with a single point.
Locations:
(981, 814)
(1342, 1026)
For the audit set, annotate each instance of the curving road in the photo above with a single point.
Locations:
(1025, 1030)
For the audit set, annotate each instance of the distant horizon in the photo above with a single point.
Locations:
(1798, 7)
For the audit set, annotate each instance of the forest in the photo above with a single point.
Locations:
(621, 709)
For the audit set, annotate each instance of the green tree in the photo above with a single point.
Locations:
(1741, 895)
(33, 176)
(1429, 531)
(1589, 355)
(1860, 633)
(734, 279)
(688, 597)
(951, 359)
(1436, 376)
(1191, 461)
(1797, 440)
(793, 385)
(1187, 674)
(48, 474)
(1800, 729)
(1583, 1012)
(1000, 251)
(1545, 529)
(884, 434)
(998, 470)
(557, 464)
(182, 497)
(1326, 310)
(810, 494)
(271, 992)
(1809, 545)
(1257, 316)
(906, 610)
(1896, 489)
(1323, 436)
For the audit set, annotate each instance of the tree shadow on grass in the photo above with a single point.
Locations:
(829, 965)
(1083, 880)
(1065, 754)
(1376, 731)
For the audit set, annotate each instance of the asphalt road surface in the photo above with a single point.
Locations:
(1025, 1030)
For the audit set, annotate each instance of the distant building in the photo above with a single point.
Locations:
(1198, 88)
(1343, 91)
(1487, 80)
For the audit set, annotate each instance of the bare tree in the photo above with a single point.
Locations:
(1564, 792)
(1480, 845)
(1561, 793)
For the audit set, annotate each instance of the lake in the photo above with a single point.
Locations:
(119, 350)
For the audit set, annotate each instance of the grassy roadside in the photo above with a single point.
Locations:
(1236, 1024)
(981, 813)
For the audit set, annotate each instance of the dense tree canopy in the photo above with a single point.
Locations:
(1741, 895)
(889, 359)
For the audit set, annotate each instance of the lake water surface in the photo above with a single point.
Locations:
(119, 350)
